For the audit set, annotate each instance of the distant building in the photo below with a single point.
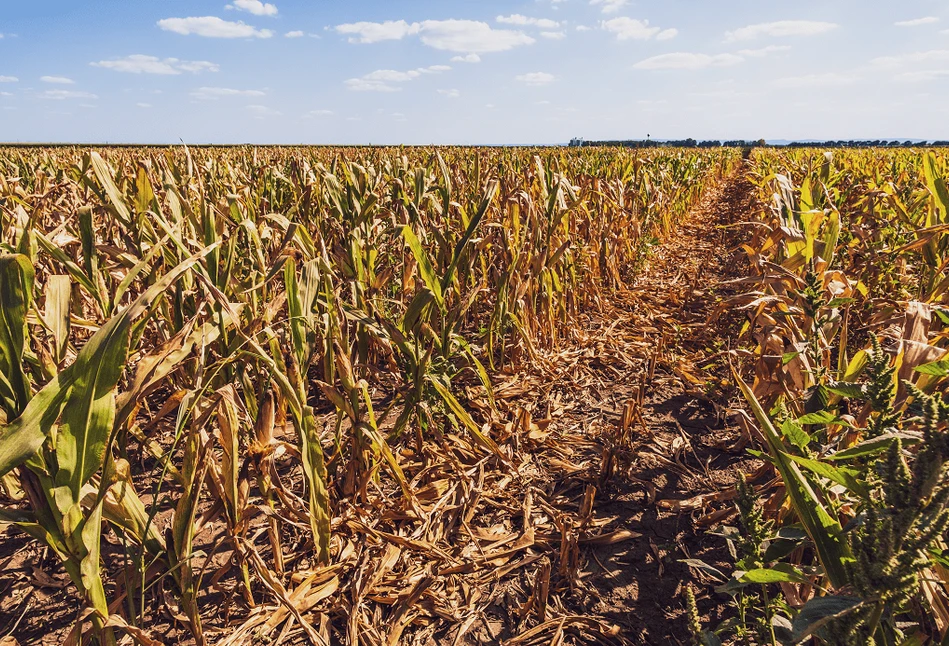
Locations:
(576, 142)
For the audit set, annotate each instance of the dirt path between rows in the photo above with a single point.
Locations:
(641, 419)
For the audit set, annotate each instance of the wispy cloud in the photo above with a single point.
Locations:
(211, 93)
(632, 29)
(375, 32)
(609, 6)
(698, 61)
(470, 36)
(525, 21)
(8, 79)
(917, 22)
(57, 80)
(780, 29)
(61, 95)
(212, 27)
(387, 80)
(294, 34)
(915, 67)
(914, 59)
(687, 61)
(922, 76)
(467, 58)
(535, 79)
(142, 64)
(262, 111)
(451, 94)
(826, 79)
(763, 51)
(255, 7)
(463, 36)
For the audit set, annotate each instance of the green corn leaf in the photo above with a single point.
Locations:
(455, 406)
(16, 295)
(936, 368)
(486, 200)
(874, 446)
(424, 266)
(823, 529)
(844, 477)
(818, 612)
(937, 185)
(58, 296)
(106, 178)
(87, 386)
(781, 572)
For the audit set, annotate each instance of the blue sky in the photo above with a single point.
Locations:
(470, 72)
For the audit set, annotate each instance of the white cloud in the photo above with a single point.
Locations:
(535, 79)
(451, 94)
(583, 28)
(553, 35)
(60, 95)
(914, 59)
(827, 79)
(632, 29)
(365, 85)
(143, 105)
(918, 22)
(462, 36)
(320, 113)
(294, 34)
(781, 28)
(922, 76)
(212, 27)
(610, 6)
(468, 58)
(255, 7)
(262, 111)
(667, 34)
(8, 79)
(470, 36)
(392, 76)
(763, 51)
(382, 80)
(524, 21)
(687, 61)
(57, 80)
(210, 93)
(374, 32)
(141, 64)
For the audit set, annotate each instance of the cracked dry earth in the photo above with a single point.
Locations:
(625, 456)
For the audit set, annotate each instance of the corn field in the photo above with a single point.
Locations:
(257, 394)
(276, 395)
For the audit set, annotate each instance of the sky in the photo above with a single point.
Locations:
(471, 71)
